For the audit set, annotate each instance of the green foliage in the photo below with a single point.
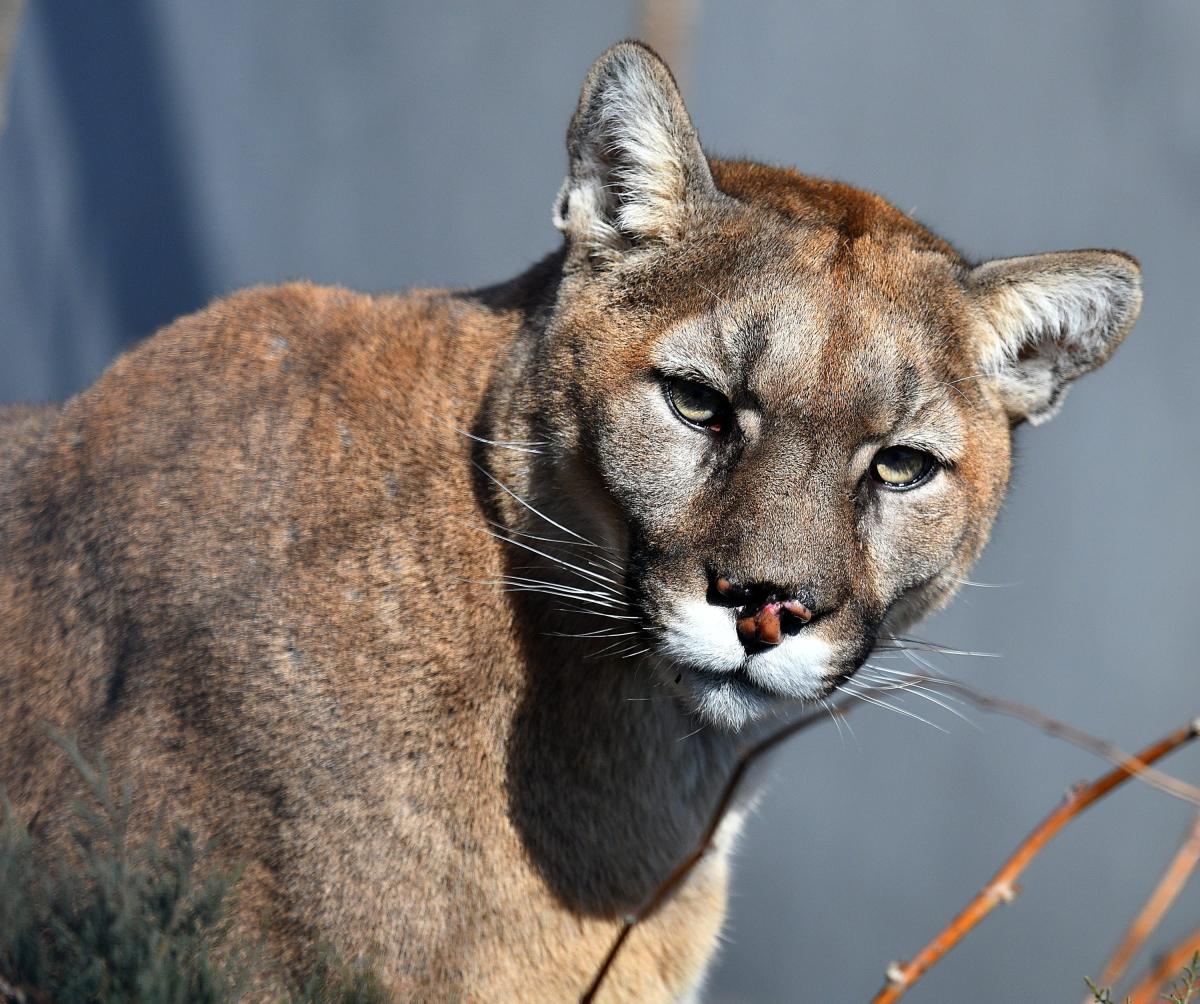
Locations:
(1187, 985)
(1185, 988)
(121, 921)
(1101, 995)
(115, 920)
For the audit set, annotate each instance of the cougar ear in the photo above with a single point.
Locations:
(635, 163)
(1049, 319)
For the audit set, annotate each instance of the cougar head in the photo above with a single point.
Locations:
(788, 405)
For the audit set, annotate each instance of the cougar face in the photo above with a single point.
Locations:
(792, 405)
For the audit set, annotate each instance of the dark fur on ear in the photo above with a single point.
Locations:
(1051, 318)
(635, 160)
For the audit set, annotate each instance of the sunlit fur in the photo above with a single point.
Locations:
(402, 601)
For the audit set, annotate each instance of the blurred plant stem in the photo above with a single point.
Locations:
(10, 16)
(1169, 886)
(666, 26)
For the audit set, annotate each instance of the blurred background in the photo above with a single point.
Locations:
(158, 154)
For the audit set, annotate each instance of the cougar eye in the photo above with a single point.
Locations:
(902, 466)
(698, 405)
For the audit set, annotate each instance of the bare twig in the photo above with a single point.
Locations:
(1061, 730)
(1173, 879)
(705, 843)
(983, 701)
(1166, 968)
(1002, 888)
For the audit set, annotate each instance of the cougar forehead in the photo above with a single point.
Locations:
(819, 310)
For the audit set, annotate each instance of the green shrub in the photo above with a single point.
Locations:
(115, 920)
(1184, 989)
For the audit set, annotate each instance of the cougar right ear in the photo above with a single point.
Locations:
(635, 162)
(1049, 319)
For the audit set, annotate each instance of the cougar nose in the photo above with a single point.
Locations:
(765, 611)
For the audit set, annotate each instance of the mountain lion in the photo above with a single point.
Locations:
(415, 605)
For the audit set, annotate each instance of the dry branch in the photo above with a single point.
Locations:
(1173, 879)
(704, 845)
(1128, 766)
(1061, 730)
(1002, 888)
(1165, 969)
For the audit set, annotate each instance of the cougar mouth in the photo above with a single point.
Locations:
(732, 681)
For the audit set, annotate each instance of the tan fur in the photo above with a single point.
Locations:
(252, 565)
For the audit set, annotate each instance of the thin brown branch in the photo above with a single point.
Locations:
(1173, 879)
(1140, 768)
(901, 976)
(1165, 969)
(705, 843)
(1061, 730)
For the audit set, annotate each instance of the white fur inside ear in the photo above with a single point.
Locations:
(633, 152)
(1049, 319)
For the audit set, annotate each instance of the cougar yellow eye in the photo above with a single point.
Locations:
(902, 466)
(698, 405)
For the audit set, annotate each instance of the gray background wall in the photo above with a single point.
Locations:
(159, 154)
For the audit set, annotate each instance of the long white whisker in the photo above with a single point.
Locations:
(594, 576)
(884, 704)
(538, 585)
(834, 716)
(901, 644)
(515, 445)
(575, 590)
(981, 585)
(541, 515)
(598, 613)
(533, 536)
(563, 596)
(622, 646)
(598, 633)
(916, 687)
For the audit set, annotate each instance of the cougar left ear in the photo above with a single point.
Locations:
(1049, 319)
(635, 163)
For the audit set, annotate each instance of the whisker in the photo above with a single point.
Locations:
(917, 688)
(835, 718)
(980, 585)
(564, 543)
(597, 613)
(542, 585)
(521, 445)
(562, 596)
(533, 536)
(541, 515)
(623, 646)
(576, 590)
(900, 643)
(845, 687)
(716, 296)
(516, 446)
(595, 576)
(598, 633)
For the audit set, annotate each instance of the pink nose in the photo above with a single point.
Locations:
(764, 625)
